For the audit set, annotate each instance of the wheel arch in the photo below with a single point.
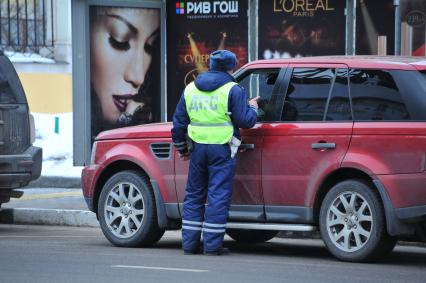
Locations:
(332, 179)
(394, 226)
(121, 165)
(111, 169)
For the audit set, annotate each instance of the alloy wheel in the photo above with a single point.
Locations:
(349, 221)
(124, 210)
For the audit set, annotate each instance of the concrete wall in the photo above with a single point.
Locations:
(48, 86)
(47, 92)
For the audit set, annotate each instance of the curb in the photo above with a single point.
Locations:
(55, 182)
(59, 217)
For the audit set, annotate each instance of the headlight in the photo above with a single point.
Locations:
(93, 155)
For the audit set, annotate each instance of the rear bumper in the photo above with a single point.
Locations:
(400, 221)
(411, 214)
(17, 170)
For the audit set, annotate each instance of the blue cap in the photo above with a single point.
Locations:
(223, 60)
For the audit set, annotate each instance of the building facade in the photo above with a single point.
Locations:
(131, 59)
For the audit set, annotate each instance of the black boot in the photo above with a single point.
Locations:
(221, 251)
(197, 251)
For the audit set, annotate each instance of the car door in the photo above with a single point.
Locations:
(247, 197)
(309, 141)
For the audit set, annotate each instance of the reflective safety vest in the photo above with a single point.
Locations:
(208, 113)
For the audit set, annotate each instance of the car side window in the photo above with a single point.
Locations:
(307, 94)
(375, 96)
(260, 83)
(339, 107)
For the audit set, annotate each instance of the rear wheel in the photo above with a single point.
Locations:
(251, 236)
(127, 212)
(421, 231)
(352, 223)
(4, 196)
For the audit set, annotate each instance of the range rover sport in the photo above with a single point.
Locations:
(339, 147)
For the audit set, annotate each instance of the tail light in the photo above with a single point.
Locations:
(32, 129)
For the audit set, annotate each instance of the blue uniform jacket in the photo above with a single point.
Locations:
(243, 116)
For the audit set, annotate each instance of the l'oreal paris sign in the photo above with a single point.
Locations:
(302, 8)
(210, 7)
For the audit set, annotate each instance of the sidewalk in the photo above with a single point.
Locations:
(55, 182)
(49, 206)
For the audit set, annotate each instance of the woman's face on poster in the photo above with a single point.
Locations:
(122, 42)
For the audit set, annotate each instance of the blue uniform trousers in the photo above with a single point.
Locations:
(211, 172)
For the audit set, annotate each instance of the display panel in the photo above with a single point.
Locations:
(194, 30)
(125, 70)
(290, 28)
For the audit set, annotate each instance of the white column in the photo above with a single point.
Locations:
(406, 39)
(382, 45)
(62, 30)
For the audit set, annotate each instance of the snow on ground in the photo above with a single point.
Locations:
(19, 57)
(57, 147)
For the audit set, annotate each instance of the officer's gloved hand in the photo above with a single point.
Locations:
(184, 156)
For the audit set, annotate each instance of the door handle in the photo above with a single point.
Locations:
(246, 146)
(324, 145)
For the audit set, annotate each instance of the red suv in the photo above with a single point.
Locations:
(339, 147)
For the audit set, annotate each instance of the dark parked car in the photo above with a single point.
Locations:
(20, 162)
(340, 147)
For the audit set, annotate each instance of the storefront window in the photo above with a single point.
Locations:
(300, 28)
(413, 12)
(374, 18)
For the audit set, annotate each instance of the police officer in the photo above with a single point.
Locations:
(210, 112)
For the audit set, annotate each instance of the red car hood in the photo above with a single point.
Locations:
(157, 130)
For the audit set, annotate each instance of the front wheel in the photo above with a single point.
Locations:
(352, 223)
(127, 212)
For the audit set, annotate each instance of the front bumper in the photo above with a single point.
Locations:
(17, 170)
(88, 184)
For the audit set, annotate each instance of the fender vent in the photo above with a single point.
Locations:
(161, 150)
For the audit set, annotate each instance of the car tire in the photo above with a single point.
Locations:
(251, 236)
(421, 232)
(127, 212)
(352, 223)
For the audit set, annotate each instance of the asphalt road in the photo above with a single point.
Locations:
(72, 254)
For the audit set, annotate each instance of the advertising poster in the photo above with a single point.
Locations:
(374, 18)
(195, 29)
(413, 12)
(125, 73)
(295, 28)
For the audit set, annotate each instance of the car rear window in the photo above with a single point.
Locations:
(6, 93)
(376, 96)
(11, 90)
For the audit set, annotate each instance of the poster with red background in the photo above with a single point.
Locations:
(194, 30)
